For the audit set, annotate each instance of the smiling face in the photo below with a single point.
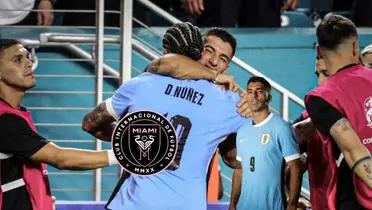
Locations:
(258, 96)
(216, 54)
(16, 68)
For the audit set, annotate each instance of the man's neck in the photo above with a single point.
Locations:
(11, 95)
(335, 62)
(261, 115)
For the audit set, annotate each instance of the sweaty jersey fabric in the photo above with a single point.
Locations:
(206, 110)
(262, 149)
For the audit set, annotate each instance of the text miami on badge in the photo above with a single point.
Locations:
(144, 142)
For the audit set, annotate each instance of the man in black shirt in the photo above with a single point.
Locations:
(22, 150)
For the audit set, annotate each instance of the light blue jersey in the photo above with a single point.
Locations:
(200, 111)
(262, 148)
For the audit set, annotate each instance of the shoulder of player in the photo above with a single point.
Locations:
(329, 86)
(11, 120)
(279, 122)
(227, 94)
(247, 125)
(11, 117)
(141, 80)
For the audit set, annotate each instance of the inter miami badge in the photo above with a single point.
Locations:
(144, 142)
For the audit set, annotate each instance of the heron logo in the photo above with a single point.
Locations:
(144, 142)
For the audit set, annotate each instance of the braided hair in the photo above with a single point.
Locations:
(184, 39)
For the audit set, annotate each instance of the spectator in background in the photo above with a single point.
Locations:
(366, 56)
(21, 14)
(231, 13)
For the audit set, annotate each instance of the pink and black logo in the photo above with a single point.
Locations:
(144, 143)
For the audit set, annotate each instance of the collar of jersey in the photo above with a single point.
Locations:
(265, 121)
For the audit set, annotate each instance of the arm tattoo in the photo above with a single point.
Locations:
(342, 125)
(368, 170)
(98, 122)
(154, 66)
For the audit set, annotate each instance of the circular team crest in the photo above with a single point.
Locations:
(144, 142)
(368, 110)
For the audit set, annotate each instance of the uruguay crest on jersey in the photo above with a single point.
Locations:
(265, 138)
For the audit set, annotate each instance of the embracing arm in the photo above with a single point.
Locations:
(181, 67)
(356, 154)
(99, 123)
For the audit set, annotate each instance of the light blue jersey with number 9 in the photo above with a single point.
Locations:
(263, 149)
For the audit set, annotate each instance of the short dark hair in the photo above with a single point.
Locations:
(6, 43)
(184, 39)
(333, 30)
(262, 80)
(222, 34)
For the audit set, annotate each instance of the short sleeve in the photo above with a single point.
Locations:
(288, 144)
(322, 114)
(17, 138)
(123, 98)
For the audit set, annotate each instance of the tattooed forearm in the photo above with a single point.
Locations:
(154, 66)
(341, 125)
(368, 170)
(357, 155)
(99, 122)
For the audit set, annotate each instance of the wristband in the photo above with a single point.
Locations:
(111, 158)
(359, 161)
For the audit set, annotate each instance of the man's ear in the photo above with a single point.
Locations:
(268, 97)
